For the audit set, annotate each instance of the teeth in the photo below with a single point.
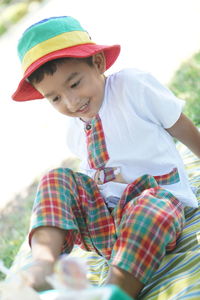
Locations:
(84, 106)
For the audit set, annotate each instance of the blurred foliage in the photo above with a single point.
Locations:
(3, 28)
(12, 11)
(14, 225)
(186, 85)
(4, 2)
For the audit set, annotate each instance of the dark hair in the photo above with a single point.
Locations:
(50, 67)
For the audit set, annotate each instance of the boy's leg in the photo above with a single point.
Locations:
(72, 202)
(68, 209)
(46, 244)
(125, 280)
(150, 226)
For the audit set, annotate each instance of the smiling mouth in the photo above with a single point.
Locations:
(84, 107)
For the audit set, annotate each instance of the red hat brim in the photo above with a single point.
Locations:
(25, 91)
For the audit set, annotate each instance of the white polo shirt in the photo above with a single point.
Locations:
(135, 111)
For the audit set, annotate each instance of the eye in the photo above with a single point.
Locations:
(74, 85)
(57, 98)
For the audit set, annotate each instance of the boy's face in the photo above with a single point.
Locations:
(76, 89)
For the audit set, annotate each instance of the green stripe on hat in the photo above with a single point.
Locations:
(45, 30)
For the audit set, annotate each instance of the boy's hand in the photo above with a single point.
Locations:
(99, 176)
(35, 275)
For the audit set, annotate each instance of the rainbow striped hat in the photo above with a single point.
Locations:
(54, 38)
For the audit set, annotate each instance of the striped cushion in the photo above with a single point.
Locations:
(179, 274)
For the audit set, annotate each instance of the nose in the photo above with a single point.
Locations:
(72, 102)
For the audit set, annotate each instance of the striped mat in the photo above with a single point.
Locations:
(179, 274)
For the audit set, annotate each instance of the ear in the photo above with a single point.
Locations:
(99, 62)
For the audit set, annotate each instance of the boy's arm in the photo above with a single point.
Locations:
(46, 244)
(185, 131)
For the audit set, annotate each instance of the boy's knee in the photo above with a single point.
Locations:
(57, 177)
(59, 172)
(157, 212)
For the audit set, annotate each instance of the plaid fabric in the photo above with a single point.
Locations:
(108, 174)
(72, 201)
(144, 225)
(96, 145)
(97, 151)
(172, 177)
(148, 221)
(144, 183)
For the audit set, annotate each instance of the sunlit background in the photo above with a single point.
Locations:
(155, 35)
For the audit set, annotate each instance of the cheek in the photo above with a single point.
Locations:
(91, 85)
(63, 109)
(95, 89)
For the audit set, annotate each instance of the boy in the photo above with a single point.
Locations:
(127, 203)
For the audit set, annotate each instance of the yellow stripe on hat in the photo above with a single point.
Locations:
(64, 40)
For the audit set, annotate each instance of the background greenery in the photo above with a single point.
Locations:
(12, 11)
(14, 225)
(186, 85)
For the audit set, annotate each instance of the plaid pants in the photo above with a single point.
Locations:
(144, 225)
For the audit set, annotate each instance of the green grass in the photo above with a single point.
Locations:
(186, 85)
(14, 225)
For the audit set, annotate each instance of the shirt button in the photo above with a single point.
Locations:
(88, 126)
